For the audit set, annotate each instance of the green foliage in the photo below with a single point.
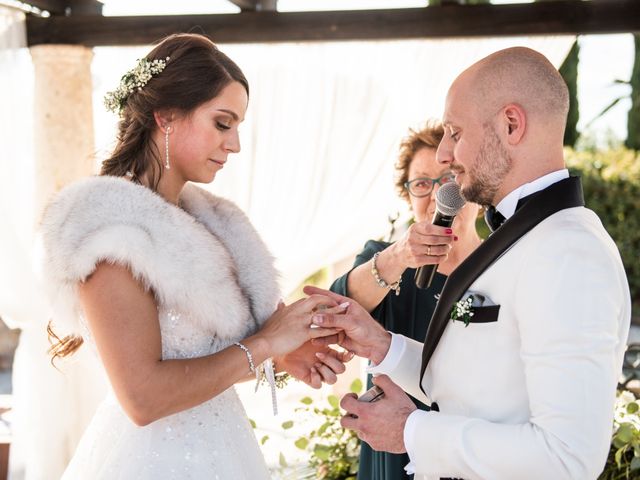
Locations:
(569, 72)
(611, 181)
(633, 119)
(623, 461)
(333, 451)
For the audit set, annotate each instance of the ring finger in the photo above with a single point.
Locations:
(437, 250)
(326, 373)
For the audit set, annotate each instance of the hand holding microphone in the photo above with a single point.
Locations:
(449, 201)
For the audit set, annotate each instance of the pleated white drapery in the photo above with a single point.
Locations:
(51, 408)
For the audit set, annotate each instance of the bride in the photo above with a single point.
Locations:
(171, 285)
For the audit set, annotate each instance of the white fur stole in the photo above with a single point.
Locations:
(206, 260)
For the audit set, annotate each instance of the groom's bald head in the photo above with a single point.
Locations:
(504, 119)
(517, 75)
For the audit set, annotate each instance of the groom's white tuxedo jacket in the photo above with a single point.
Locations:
(529, 392)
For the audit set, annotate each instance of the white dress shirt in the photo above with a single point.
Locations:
(507, 206)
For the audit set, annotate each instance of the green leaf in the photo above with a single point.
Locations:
(302, 443)
(253, 424)
(356, 386)
(635, 463)
(322, 452)
(282, 461)
(632, 407)
(306, 400)
(618, 456)
(333, 401)
(324, 427)
(625, 433)
(617, 443)
(264, 439)
(287, 425)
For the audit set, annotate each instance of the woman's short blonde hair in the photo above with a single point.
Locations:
(428, 136)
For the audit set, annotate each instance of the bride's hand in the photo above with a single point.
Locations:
(314, 364)
(290, 326)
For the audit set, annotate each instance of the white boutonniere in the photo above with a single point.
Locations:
(463, 310)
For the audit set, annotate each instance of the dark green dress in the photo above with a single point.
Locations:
(408, 314)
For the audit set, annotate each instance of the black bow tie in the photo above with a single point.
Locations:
(493, 218)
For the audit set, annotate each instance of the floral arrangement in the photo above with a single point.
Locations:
(463, 311)
(133, 81)
(334, 451)
(624, 456)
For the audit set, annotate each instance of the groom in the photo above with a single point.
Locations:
(522, 382)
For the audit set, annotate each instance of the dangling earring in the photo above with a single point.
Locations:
(166, 148)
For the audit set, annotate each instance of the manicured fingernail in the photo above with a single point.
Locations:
(455, 238)
(344, 305)
(318, 319)
(320, 355)
(448, 231)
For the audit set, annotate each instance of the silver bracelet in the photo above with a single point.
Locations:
(395, 286)
(252, 367)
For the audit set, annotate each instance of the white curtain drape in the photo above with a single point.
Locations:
(16, 165)
(315, 173)
(51, 408)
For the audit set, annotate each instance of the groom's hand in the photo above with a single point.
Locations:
(381, 423)
(361, 334)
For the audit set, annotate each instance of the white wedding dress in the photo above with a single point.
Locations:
(213, 441)
(214, 282)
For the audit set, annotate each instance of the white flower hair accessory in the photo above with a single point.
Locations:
(133, 81)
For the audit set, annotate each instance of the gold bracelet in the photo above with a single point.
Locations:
(395, 286)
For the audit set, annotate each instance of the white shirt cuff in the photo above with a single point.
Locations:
(392, 358)
(409, 432)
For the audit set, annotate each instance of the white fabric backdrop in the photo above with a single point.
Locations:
(50, 408)
(16, 162)
(315, 173)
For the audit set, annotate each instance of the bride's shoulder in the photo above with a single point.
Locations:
(200, 202)
(100, 192)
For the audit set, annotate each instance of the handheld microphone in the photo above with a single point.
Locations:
(448, 204)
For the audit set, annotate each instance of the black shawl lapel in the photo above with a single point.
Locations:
(564, 194)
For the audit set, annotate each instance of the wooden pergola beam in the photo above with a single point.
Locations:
(55, 7)
(540, 18)
(255, 5)
(67, 7)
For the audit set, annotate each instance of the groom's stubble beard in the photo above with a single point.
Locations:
(492, 164)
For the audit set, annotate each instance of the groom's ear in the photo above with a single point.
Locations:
(513, 123)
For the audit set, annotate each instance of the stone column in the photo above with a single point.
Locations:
(63, 118)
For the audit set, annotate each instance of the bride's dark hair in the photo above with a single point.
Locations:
(195, 73)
